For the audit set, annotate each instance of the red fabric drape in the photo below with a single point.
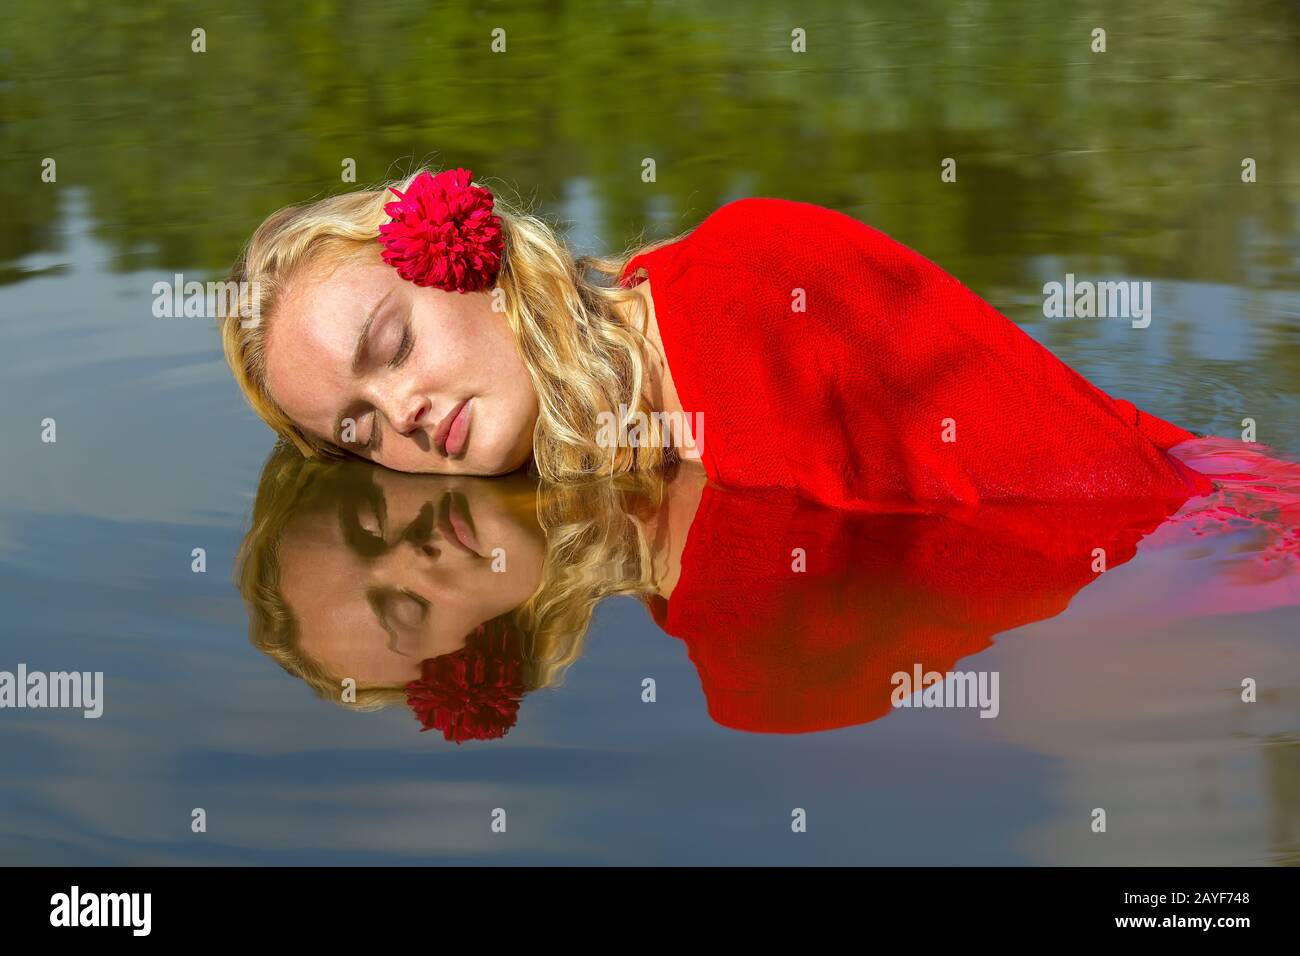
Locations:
(848, 402)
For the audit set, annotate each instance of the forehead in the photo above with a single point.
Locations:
(311, 338)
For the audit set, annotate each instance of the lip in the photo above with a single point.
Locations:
(455, 523)
(452, 433)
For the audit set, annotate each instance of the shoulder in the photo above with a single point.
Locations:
(743, 228)
(779, 243)
(759, 212)
(808, 245)
(786, 229)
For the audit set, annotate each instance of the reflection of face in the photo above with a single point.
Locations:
(405, 572)
(400, 361)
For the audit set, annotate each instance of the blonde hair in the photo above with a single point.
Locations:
(594, 550)
(582, 356)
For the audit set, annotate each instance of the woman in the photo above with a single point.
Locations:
(442, 332)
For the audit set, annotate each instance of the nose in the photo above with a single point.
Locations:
(408, 413)
(420, 533)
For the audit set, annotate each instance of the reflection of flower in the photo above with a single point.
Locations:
(443, 233)
(472, 693)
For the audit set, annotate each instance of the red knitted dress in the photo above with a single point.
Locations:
(828, 359)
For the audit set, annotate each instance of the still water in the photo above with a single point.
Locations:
(1119, 691)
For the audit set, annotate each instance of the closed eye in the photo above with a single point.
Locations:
(404, 347)
(398, 608)
(371, 435)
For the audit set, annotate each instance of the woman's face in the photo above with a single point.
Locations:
(406, 570)
(412, 378)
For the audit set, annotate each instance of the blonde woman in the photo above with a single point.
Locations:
(429, 327)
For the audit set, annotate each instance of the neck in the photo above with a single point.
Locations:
(659, 389)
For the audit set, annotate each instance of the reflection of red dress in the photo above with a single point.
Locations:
(780, 651)
(849, 401)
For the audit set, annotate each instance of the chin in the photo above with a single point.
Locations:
(509, 465)
(503, 457)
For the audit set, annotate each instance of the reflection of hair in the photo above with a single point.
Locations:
(594, 549)
(582, 357)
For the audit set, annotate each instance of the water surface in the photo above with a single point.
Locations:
(1122, 165)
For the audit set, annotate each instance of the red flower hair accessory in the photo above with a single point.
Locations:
(443, 233)
(472, 693)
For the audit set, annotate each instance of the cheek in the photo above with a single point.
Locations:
(509, 373)
(492, 346)
(473, 350)
(457, 320)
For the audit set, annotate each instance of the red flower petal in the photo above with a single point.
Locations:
(443, 233)
(473, 693)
